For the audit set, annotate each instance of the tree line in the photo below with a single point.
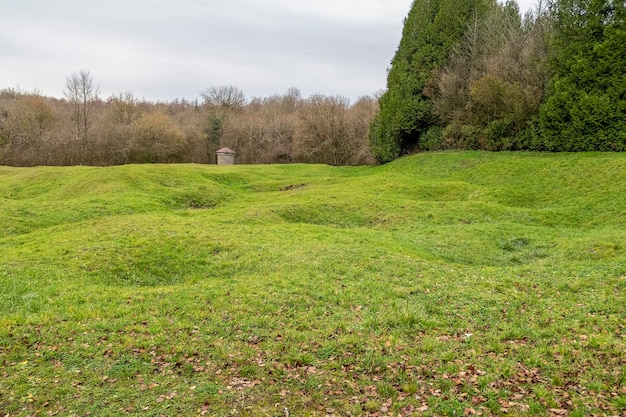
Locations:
(475, 74)
(83, 128)
(467, 74)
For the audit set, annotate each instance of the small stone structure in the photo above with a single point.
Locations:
(225, 156)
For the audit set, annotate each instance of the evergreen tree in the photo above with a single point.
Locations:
(214, 130)
(586, 109)
(431, 30)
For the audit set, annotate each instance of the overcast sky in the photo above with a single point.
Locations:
(167, 49)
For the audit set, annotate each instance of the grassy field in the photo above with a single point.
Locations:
(461, 283)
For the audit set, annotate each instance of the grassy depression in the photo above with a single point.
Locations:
(460, 283)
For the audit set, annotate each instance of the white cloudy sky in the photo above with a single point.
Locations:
(164, 49)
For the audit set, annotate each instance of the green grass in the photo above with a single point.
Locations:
(441, 284)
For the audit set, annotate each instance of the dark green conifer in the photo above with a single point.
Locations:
(586, 109)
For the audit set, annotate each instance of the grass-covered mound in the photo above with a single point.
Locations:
(440, 284)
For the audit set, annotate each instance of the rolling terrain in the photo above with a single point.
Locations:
(453, 283)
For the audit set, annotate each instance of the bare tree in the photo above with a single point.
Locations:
(123, 109)
(82, 93)
(493, 82)
(360, 116)
(26, 121)
(226, 96)
(157, 139)
(10, 122)
(323, 132)
(291, 100)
